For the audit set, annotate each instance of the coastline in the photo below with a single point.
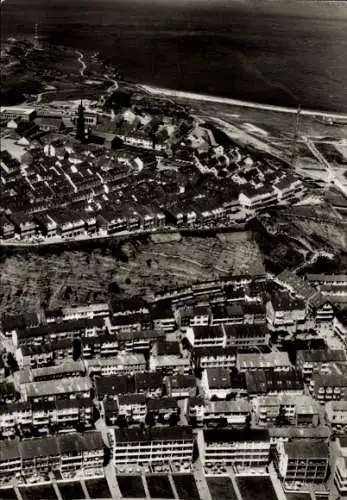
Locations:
(160, 91)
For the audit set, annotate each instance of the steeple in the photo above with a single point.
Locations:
(37, 44)
(80, 124)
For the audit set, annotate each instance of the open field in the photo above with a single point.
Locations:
(186, 486)
(221, 488)
(131, 486)
(252, 487)
(98, 488)
(159, 487)
(32, 280)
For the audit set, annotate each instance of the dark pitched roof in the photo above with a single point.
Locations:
(77, 442)
(39, 447)
(307, 449)
(154, 434)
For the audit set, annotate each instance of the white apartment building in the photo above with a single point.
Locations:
(154, 445)
(240, 448)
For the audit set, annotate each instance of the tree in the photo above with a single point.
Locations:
(150, 419)
(122, 421)
(282, 418)
(248, 421)
(173, 419)
(12, 363)
(76, 349)
(222, 422)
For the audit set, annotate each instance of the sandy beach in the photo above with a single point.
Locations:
(234, 102)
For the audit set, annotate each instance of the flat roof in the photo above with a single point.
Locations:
(39, 447)
(78, 442)
(9, 450)
(153, 434)
(235, 435)
(263, 360)
(237, 406)
(306, 449)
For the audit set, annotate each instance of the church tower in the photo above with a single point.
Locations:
(80, 124)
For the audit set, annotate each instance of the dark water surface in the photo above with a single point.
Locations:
(275, 52)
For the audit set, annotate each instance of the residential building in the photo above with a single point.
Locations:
(292, 409)
(196, 410)
(50, 390)
(232, 413)
(287, 433)
(316, 360)
(206, 336)
(181, 386)
(215, 357)
(138, 340)
(253, 200)
(201, 316)
(276, 361)
(122, 364)
(10, 459)
(261, 382)
(336, 415)
(243, 449)
(66, 369)
(285, 311)
(216, 382)
(330, 384)
(156, 445)
(16, 112)
(163, 408)
(107, 388)
(132, 406)
(301, 462)
(39, 455)
(340, 476)
(246, 335)
(168, 358)
(81, 452)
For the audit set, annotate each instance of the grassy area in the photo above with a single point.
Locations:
(221, 488)
(34, 492)
(98, 488)
(131, 486)
(159, 486)
(186, 486)
(70, 490)
(252, 487)
(8, 494)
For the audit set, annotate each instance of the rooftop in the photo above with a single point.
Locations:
(154, 434)
(235, 435)
(306, 449)
(61, 386)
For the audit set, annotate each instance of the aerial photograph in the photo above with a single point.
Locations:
(173, 249)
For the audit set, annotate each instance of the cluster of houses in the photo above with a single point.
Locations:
(55, 187)
(179, 373)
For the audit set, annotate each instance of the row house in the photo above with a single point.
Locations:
(292, 409)
(122, 364)
(45, 354)
(24, 224)
(196, 410)
(162, 409)
(215, 357)
(148, 383)
(51, 390)
(100, 347)
(155, 445)
(277, 361)
(201, 316)
(302, 462)
(288, 189)
(168, 358)
(139, 340)
(181, 386)
(67, 369)
(53, 332)
(329, 385)
(242, 449)
(285, 311)
(101, 309)
(132, 407)
(310, 361)
(216, 382)
(246, 335)
(206, 336)
(234, 413)
(228, 314)
(262, 382)
(67, 454)
(340, 475)
(253, 200)
(14, 415)
(336, 415)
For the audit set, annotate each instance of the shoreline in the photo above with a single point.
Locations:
(161, 91)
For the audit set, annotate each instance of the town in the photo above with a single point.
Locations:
(231, 388)
(236, 384)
